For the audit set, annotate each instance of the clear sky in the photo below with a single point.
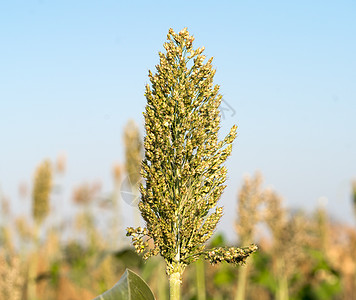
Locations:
(72, 73)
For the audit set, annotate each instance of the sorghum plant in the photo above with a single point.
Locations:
(290, 239)
(133, 158)
(250, 201)
(133, 151)
(183, 168)
(354, 195)
(322, 231)
(11, 276)
(41, 191)
(116, 224)
(40, 209)
(86, 196)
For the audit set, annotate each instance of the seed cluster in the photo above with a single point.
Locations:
(231, 255)
(183, 167)
(250, 208)
(41, 191)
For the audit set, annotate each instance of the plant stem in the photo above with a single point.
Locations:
(283, 288)
(282, 293)
(162, 284)
(200, 277)
(174, 286)
(241, 283)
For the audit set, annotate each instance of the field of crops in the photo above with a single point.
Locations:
(300, 256)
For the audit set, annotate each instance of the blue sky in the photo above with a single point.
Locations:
(72, 73)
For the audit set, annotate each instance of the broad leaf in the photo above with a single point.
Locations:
(129, 287)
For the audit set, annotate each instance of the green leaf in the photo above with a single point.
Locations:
(129, 287)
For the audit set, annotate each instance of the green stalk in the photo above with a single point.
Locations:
(282, 292)
(161, 284)
(200, 278)
(174, 286)
(283, 288)
(241, 283)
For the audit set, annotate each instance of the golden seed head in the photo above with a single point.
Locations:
(41, 191)
(183, 165)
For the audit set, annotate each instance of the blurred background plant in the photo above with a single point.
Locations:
(133, 158)
(41, 192)
(301, 255)
(354, 196)
(250, 202)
